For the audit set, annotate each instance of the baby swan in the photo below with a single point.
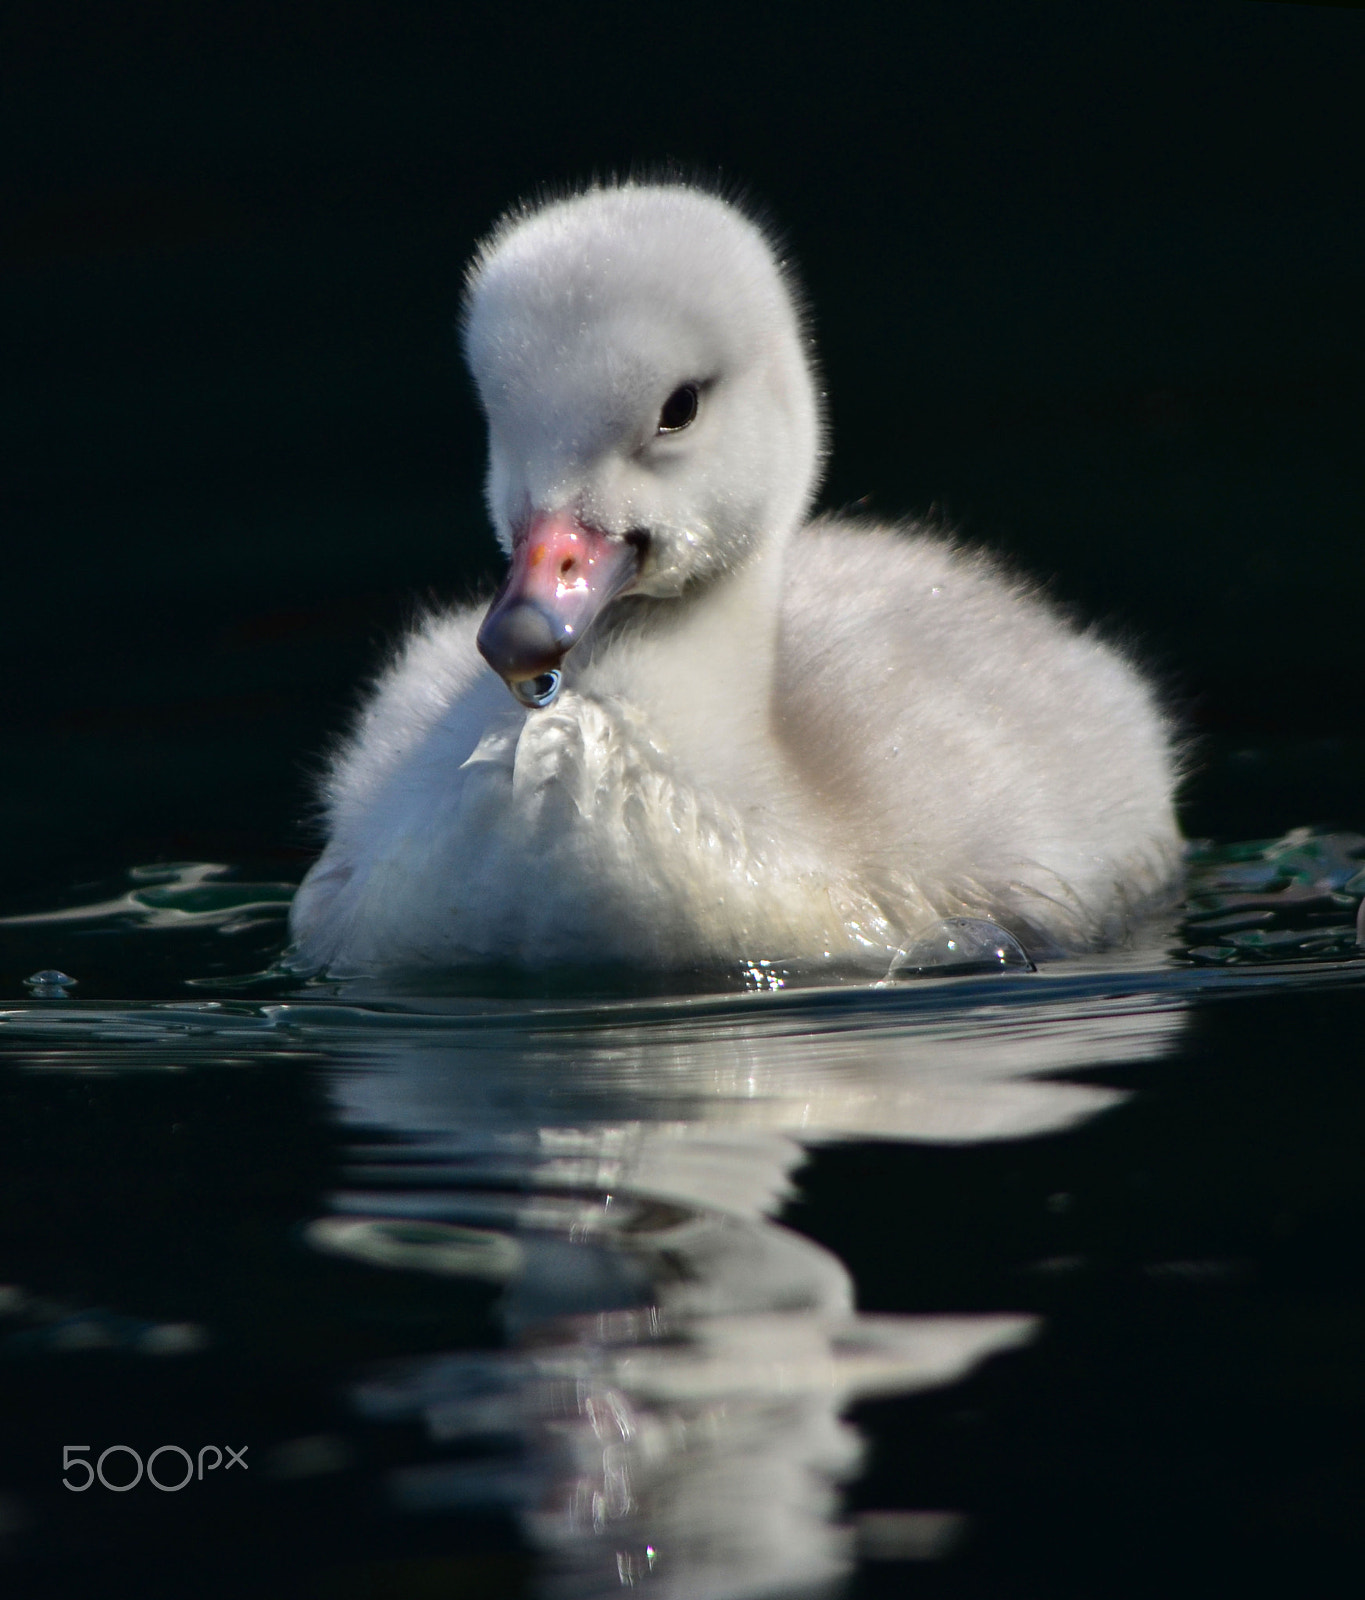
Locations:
(731, 734)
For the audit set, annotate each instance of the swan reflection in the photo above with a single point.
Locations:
(668, 1410)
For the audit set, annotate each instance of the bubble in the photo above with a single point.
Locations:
(958, 945)
(49, 984)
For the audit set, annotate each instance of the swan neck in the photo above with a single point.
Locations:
(701, 668)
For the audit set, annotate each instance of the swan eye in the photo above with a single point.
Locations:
(679, 409)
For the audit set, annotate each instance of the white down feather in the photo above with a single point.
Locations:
(795, 740)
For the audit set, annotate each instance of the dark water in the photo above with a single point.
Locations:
(1023, 1283)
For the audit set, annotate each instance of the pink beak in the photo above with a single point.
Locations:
(562, 574)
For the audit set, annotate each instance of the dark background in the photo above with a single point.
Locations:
(1087, 282)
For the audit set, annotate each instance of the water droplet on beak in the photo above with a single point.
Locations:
(537, 693)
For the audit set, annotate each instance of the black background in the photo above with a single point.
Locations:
(1086, 281)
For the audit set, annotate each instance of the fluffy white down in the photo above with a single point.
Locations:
(829, 736)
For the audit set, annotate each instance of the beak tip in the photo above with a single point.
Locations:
(562, 574)
(519, 641)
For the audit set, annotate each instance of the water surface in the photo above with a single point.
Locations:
(759, 1282)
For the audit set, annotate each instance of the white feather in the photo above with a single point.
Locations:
(809, 742)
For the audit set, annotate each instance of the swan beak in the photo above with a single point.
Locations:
(562, 574)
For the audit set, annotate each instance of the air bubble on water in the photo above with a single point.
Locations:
(49, 984)
(957, 945)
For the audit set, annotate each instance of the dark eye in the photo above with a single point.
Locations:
(679, 409)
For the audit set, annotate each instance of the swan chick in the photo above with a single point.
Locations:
(693, 726)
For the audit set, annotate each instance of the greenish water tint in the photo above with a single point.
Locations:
(755, 1282)
(208, 925)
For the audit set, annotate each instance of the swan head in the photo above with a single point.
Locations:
(653, 420)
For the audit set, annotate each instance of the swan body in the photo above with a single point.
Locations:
(733, 733)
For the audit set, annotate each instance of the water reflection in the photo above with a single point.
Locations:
(669, 1409)
(666, 1409)
(667, 1405)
